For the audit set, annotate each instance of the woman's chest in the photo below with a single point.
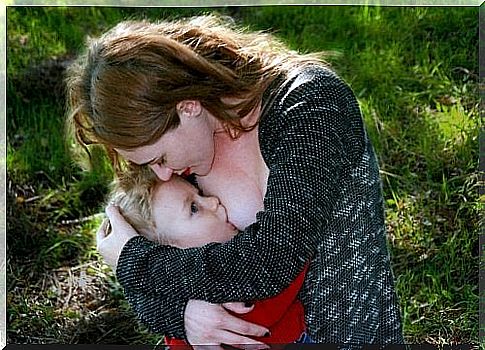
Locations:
(238, 177)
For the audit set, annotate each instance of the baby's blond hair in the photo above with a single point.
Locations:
(132, 192)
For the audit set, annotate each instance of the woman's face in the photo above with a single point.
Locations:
(186, 219)
(189, 148)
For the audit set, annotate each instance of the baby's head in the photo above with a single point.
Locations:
(171, 212)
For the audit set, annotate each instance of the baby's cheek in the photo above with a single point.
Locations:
(230, 232)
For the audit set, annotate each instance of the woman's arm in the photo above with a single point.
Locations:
(201, 317)
(310, 140)
(150, 309)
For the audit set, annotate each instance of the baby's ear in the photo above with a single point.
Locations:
(189, 108)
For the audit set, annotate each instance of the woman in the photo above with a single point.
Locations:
(159, 95)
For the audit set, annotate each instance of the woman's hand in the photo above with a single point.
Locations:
(110, 244)
(212, 324)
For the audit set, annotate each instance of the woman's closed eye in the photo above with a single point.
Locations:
(162, 160)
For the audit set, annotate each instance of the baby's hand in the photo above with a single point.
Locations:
(110, 244)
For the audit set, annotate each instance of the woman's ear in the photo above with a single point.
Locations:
(189, 108)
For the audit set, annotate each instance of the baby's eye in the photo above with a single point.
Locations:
(194, 208)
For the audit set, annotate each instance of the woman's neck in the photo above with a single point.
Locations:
(249, 121)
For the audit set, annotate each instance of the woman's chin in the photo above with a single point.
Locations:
(201, 170)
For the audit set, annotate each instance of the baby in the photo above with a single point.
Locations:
(176, 213)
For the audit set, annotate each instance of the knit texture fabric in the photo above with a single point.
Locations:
(323, 205)
(283, 315)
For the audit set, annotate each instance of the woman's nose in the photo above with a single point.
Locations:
(211, 203)
(164, 173)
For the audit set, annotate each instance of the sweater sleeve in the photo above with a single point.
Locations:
(152, 311)
(311, 136)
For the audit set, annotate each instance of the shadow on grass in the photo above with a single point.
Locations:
(58, 289)
(73, 305)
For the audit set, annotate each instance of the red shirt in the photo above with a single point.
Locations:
(282, 314)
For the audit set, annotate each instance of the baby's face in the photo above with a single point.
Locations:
(186, 219)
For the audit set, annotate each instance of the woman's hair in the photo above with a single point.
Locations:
(132, 192)
(123, 90)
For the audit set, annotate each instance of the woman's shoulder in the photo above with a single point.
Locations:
(310, 82)
(314, 72)
(316, 86)
(319, 79)
(312, 100)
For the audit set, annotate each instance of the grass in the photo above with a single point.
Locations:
(414, 71)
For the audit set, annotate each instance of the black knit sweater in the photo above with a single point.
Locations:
(323, 204)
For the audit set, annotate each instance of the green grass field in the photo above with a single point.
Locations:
(415, 73)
